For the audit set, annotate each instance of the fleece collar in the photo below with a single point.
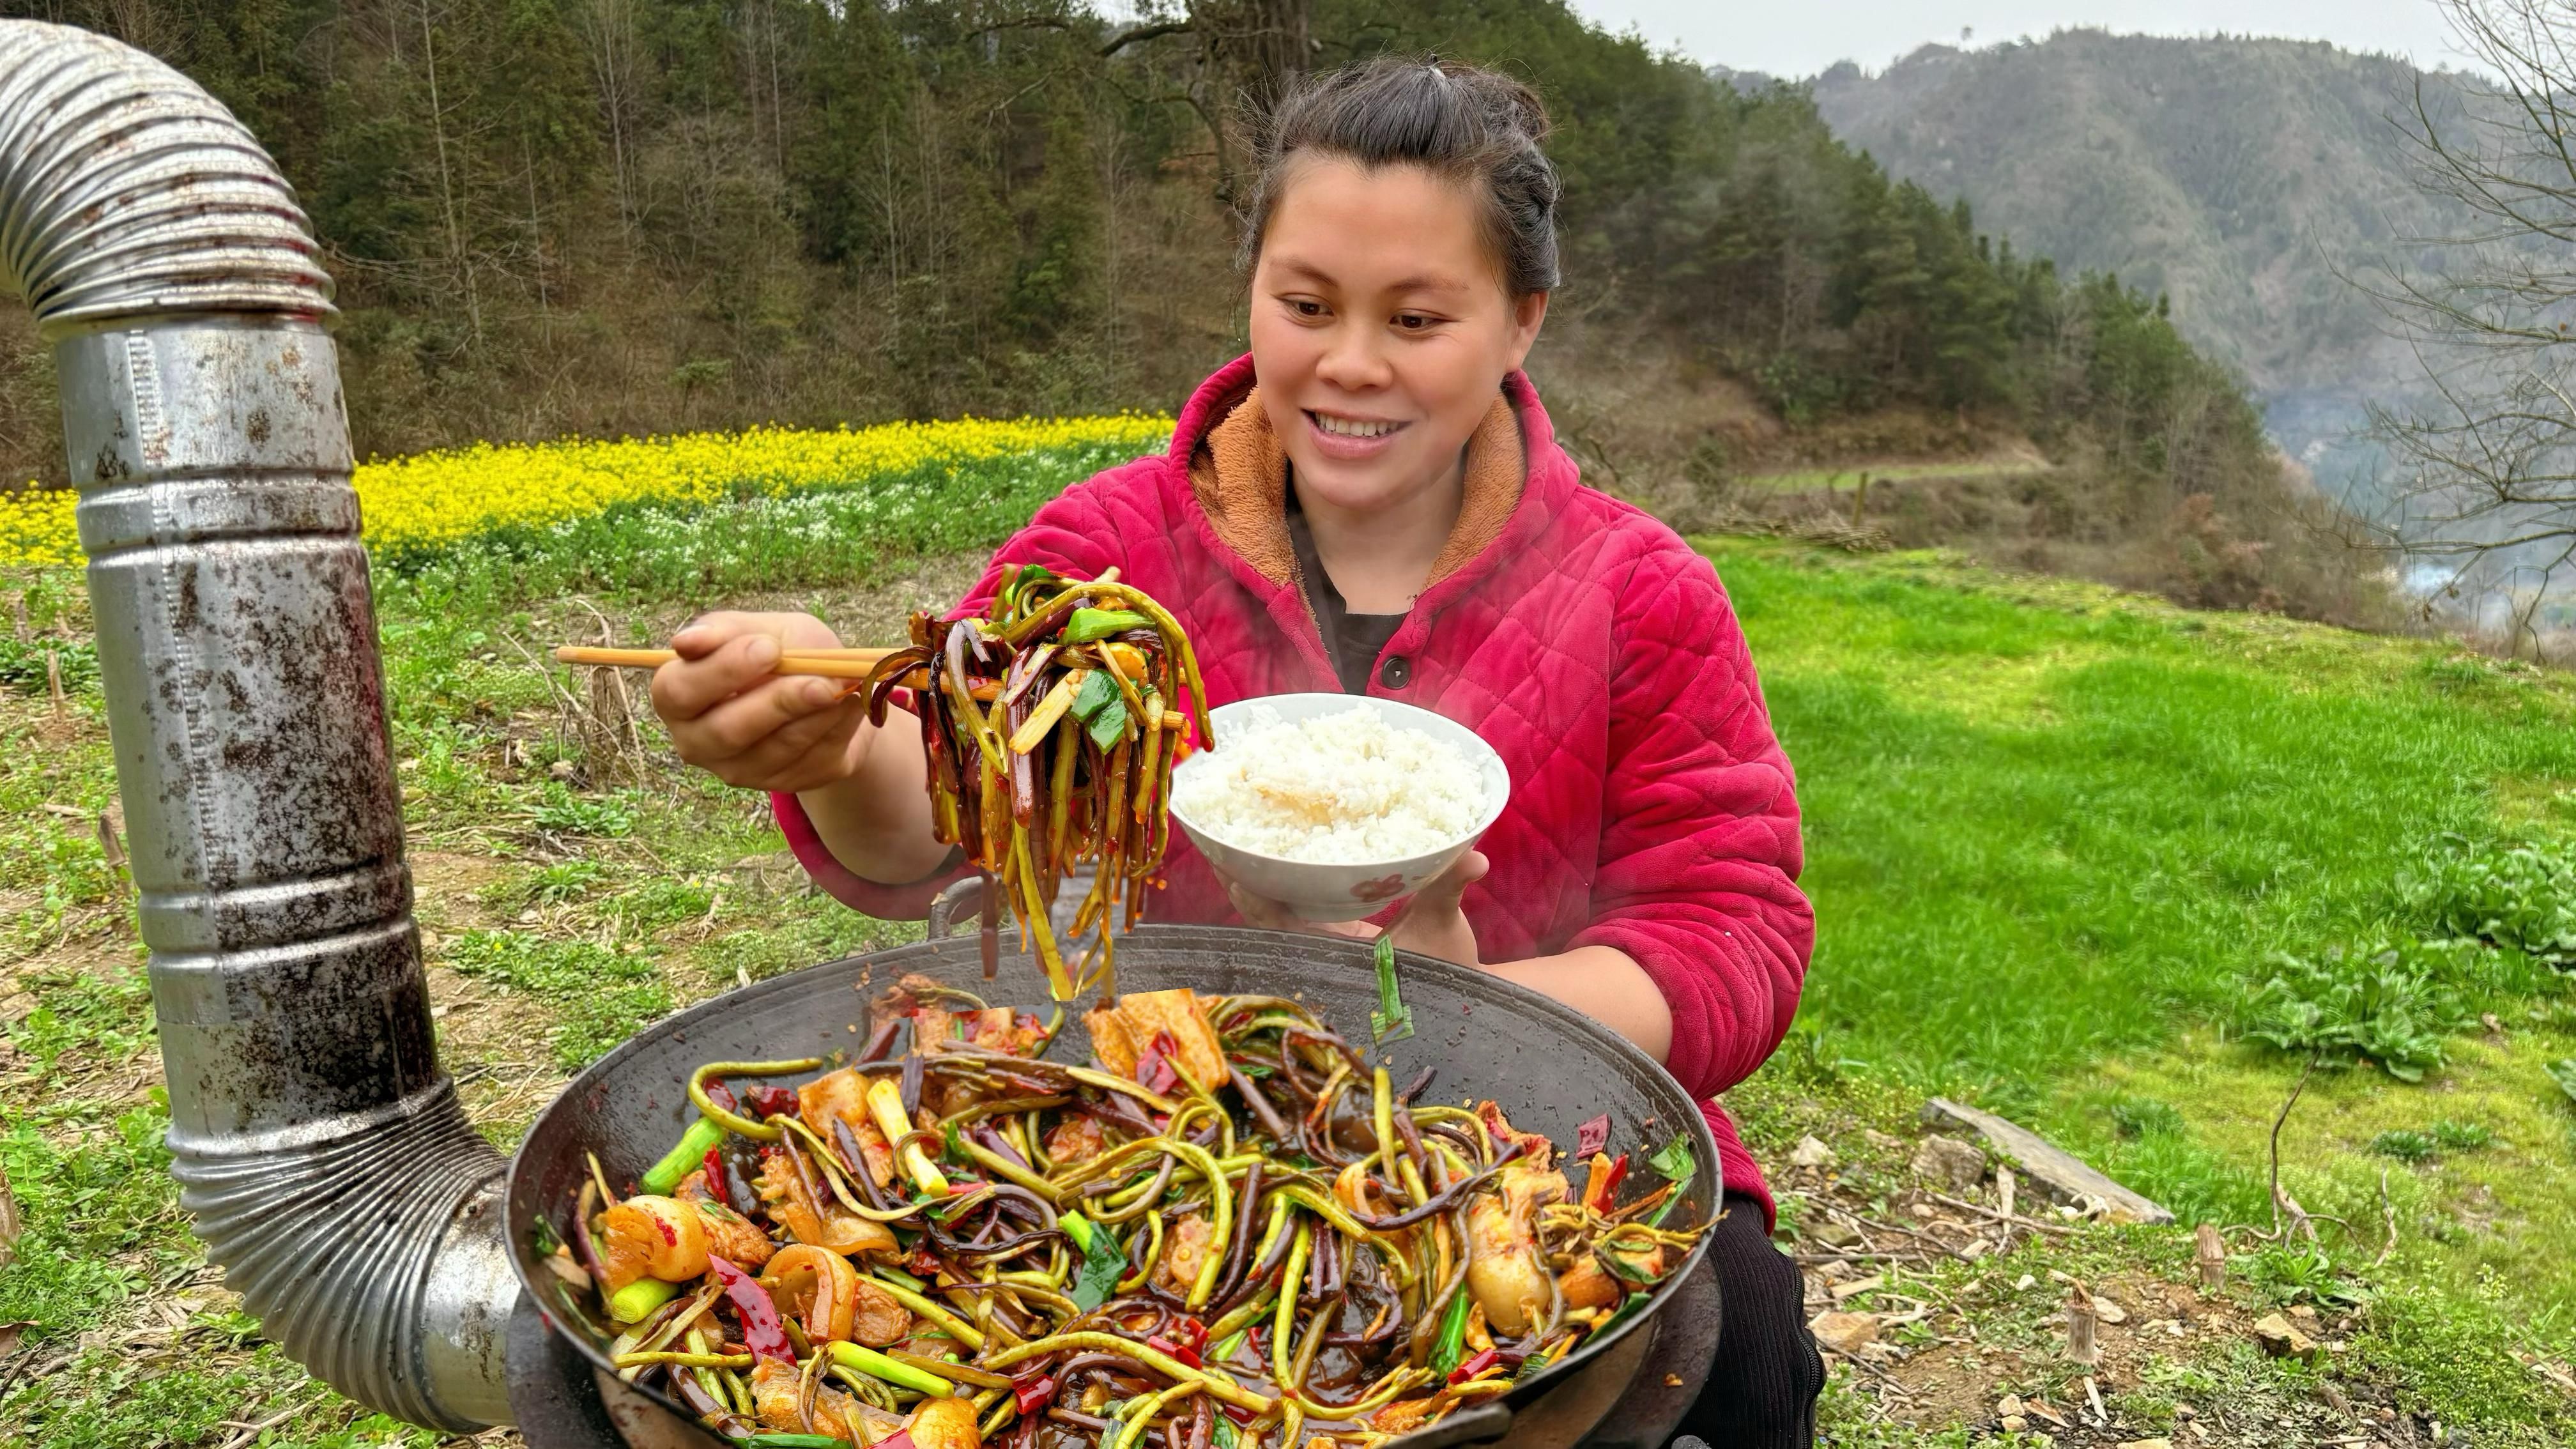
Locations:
(1239, 472)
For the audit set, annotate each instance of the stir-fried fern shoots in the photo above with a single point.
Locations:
(1052, 721)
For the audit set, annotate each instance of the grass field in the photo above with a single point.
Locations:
(2057, 837)
(2060, 842)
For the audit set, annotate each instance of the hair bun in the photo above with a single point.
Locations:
(1528, 112)
(1473, 125)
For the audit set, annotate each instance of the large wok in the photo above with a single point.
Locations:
(1549, 1067)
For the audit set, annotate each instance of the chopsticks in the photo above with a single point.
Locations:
(827, 663)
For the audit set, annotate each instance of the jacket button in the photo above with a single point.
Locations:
(1396, 672)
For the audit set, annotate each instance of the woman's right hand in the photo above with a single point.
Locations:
(730, 715)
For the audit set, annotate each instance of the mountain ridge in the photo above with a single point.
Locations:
(2240, 176)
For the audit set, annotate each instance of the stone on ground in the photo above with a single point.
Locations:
(2053, 1172)
(1950, 1165)
(2280, 1340)
(1844, 1333)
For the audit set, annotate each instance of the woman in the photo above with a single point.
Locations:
(1373, 501)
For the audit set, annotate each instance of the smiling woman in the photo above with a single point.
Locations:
(1373, 502)
(1375, 311)
(1378, 325)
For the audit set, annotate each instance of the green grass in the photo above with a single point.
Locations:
(2044, 823)
(2060, 840)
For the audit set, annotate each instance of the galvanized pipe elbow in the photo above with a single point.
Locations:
(326, 1158)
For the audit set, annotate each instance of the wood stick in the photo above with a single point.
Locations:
(1984, 1211)
(2211, 1252)
(827, 663)
(2081, 1344)
(822, 663)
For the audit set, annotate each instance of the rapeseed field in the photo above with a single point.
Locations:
(418, 503)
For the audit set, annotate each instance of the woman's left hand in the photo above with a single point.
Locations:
(1432, 923)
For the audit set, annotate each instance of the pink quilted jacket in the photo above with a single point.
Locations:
(1652, 809)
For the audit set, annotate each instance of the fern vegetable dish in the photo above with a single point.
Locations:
(1052, 723)
(1227, 1229)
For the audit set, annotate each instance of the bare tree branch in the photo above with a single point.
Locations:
(2485, 465)
(1139, 34)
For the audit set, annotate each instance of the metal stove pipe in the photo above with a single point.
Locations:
(326, 1158)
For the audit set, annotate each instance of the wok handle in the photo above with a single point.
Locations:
(960, 901)
(1483, 1424)
(958, 907)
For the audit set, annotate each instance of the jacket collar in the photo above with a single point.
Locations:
(1239, 472)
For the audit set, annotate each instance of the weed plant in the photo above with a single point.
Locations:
(2520, 898)
(2390, 1005)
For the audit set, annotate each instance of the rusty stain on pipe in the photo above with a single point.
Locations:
(325, 1156)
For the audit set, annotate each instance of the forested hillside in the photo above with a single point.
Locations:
(605, 216)
(2238, 175)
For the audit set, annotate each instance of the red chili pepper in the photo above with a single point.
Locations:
(722, 1096)
(761, 1329)
(716, 1179)
(923, 1265)
(1476, 1365)
(1237, 1412)
(1154, 1069)
(1181, 1351)
(1602, 1195)
(773, 1101)
(1034, 1393)
(1193, 1333)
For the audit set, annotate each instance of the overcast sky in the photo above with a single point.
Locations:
(1803, 37)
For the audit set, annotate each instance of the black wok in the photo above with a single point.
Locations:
(1549, 1067)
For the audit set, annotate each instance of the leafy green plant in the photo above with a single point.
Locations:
(97, 1018)
(543, 967)
(564, 880)
(2453, 1136)
(2293, 1271)
(565, 813)
(2405, 1144)
(100, 1210)
(23, 663)
(2145, 1117)
(659, 902)
(2521, 897)
(2408, 1144)
(2385, 1004)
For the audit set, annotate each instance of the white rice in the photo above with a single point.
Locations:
(1332, 789)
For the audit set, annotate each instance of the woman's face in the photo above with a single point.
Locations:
(1381, 330)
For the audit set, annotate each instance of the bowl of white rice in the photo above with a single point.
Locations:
(1335, 804)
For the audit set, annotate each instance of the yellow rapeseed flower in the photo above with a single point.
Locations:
(36, 526)
(434, 498)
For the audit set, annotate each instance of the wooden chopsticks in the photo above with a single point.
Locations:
(827, 663)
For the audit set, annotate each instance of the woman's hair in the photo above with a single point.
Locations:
(1477, 128)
